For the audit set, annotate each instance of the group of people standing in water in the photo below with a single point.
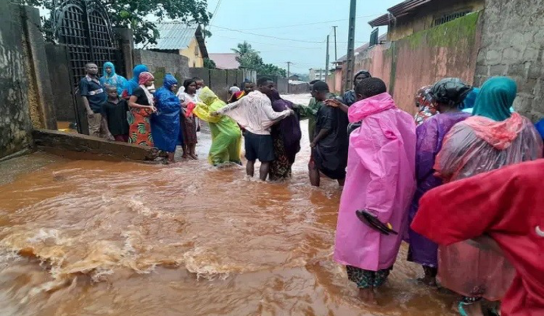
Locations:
(426, 185)
(422, 180)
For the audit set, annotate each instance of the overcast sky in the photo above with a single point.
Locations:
(302, 25)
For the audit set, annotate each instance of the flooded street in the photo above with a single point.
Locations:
(119, 238)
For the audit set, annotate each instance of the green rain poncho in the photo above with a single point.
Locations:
(226, 135)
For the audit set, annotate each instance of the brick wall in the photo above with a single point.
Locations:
(513, 45)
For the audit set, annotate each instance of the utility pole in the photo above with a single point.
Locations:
(351, 46)
(335, 44)
(288, 74)
(327, 60)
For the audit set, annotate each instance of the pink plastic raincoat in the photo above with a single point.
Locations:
(381, 179)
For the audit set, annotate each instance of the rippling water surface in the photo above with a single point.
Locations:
(84, 237)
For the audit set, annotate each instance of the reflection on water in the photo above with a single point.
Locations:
(118, 238)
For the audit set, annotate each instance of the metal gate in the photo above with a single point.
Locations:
(84, 27)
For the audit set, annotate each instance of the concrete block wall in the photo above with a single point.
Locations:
(162, 63)
(513, 45)
(15, 122)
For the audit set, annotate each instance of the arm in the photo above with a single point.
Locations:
(132, 103)
(84, 92)
(273, 115)
(326, 118)
(322, 134)
(305, 112)
(229, 107)
(337, 104)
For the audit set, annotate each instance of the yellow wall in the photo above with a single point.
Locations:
(193, 53)
(424, 19)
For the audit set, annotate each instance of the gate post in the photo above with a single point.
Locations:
(126, 43)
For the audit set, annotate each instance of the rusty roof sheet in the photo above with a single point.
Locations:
(399, 10)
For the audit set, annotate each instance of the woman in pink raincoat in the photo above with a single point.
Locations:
(381, 180)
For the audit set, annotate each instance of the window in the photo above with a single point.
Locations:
(450, 17)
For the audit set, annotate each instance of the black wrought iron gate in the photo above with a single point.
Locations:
(84, 27)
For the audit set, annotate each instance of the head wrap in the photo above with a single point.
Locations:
(450, 91)
(144, 77)
(470, 100)
(495, 98)
(423, 97)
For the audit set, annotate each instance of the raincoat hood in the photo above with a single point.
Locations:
(169, 81)
(501, 134)
(470, 100)
(112, 66)
(207, 96)
(369, 106)
(138, 70)
(495, 98)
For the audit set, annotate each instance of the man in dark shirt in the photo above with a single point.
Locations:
(114, 111)
(93, 96)
(330, 142)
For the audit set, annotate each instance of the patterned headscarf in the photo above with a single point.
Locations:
(145, 77)
(424, 103)
(142, 80)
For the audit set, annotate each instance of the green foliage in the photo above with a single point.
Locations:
(249, 58)
(132, 14)
(210, 64)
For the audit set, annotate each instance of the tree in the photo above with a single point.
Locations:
(132, 14)
(249, 58)
(210, 64)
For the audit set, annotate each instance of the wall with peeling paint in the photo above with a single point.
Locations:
(15, 122)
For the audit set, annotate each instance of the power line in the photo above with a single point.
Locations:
(313, 23)
(269, 36)
(216, 9)
(271, 44)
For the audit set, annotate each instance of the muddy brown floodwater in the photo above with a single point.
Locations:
(118, 238)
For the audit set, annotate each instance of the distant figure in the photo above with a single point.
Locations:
(142, 106)
(247, 89)
(93, 96)
(501, 211)
(165, 122)
(133, 83)
(423, 101)
(255, 113)
(188, 123)
(330, 142)
(447, 97)
(111, 79)
(309, 111)
(226, 136)
(286, 135)
(115, 114)
(350, 96)
(380, 181)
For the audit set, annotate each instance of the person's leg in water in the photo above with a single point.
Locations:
(365, 283)
(430, 276)
(192, 151)
(471, 306)
(264, 170)
(250, 168)
(171, 158)
(185, 152)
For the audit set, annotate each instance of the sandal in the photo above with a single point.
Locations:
(461, 308)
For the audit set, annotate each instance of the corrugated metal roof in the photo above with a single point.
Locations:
(380, 21)
(174, 35)
(362, 48)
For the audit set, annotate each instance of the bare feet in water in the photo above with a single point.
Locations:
(368, 297)
(193, 156)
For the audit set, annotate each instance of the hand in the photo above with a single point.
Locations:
(291, 112)
(110, 137)
(214, 113)
(90, 113)
(333, 103)
(313, 144)
(153, 109)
